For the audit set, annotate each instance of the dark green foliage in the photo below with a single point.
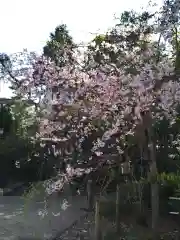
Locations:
(59, 47)
(174, 205)
(26, 161)
(5, 64)
(115, 46)
(6, 120)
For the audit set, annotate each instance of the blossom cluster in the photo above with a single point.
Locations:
(77, 104)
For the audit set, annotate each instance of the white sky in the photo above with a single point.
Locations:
(28, 23)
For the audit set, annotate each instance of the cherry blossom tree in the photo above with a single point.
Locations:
(95, 113)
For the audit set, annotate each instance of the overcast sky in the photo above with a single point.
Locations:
(28, 23)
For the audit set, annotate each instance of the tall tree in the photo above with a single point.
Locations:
(60, 46)
(130, 36)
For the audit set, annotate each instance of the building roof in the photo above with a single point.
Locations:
(11, 101)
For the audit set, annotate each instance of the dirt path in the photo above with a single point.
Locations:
(38, 219)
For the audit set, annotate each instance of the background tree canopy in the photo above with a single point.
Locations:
(60, 46)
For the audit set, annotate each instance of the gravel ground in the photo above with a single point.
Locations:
(82, 230)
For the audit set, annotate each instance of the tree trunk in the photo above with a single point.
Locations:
(97, 221)
(90, 194)
(118, 208)
(155, 208)
(154, 188)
